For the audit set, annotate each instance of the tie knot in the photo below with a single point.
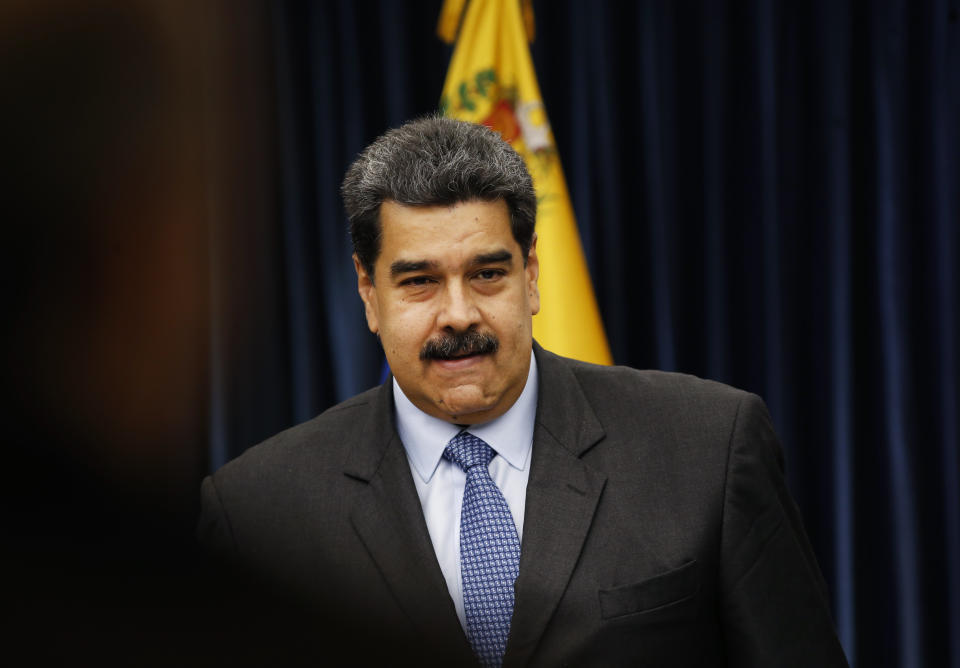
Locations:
(467, 451)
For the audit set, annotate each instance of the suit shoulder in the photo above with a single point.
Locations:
(324, 438)
(654, 386)
(626, 399)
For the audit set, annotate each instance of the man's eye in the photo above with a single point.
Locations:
(489, 274)
(416, 280)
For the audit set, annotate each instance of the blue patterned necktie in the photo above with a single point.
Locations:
(489, 551)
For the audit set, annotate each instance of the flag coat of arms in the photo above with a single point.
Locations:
(491, 80)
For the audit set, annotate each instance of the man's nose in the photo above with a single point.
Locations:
(459, 311)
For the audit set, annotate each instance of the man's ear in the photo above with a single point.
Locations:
(533, 274)
(368, 293)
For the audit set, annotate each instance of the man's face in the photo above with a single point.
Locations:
(453, 305)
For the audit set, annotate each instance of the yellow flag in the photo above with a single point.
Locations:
(491, 81)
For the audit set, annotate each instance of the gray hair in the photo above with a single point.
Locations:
(435, 161)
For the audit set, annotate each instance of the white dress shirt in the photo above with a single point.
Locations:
(440, 482)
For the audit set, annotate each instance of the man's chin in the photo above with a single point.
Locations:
(467, 407)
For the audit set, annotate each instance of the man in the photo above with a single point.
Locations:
(495, 502)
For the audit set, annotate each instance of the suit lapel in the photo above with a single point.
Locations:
(562, 495)
(389, 520)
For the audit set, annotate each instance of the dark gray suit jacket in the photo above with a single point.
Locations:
(658, 531)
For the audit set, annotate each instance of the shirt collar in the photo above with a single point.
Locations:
(510, 435)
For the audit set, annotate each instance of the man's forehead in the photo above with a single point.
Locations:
(485, 226)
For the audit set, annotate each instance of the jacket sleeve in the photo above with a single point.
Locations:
(774, 603)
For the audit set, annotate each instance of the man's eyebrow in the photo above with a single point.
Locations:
(496, 257)
(406, 266)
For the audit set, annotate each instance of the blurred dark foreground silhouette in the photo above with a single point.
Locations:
(112, 165)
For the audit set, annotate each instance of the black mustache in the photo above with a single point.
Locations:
(460, 344)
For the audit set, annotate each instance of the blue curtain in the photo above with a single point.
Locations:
(768, 195)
